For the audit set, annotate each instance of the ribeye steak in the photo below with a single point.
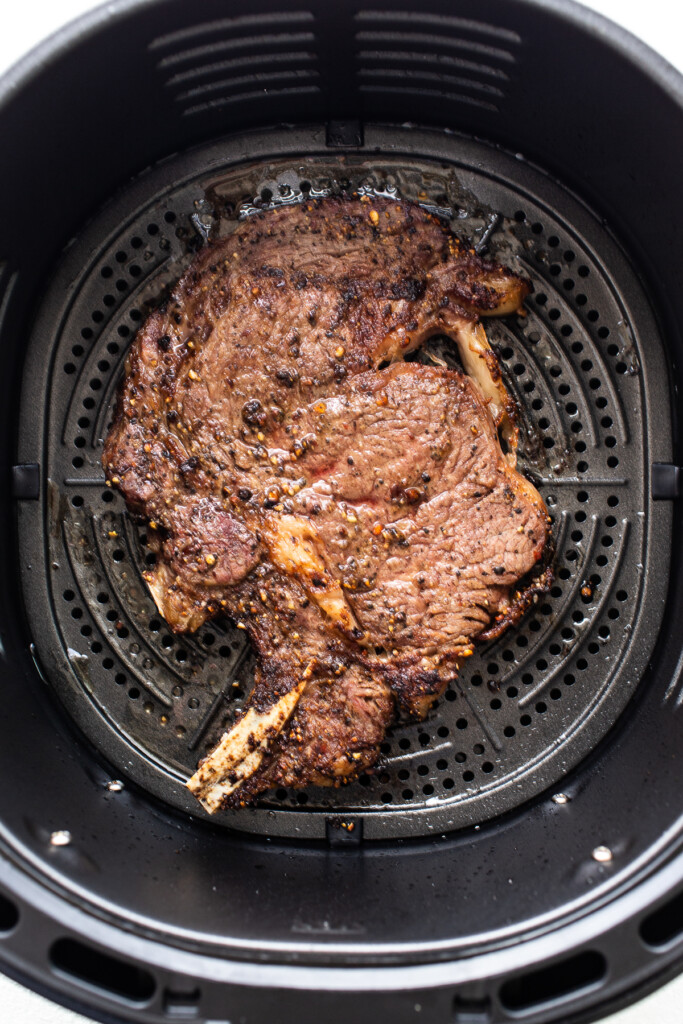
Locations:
(356, 513)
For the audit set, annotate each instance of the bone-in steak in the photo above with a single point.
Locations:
(354, 512)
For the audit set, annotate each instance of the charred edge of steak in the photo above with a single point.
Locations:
(538, 581)
(415, 690)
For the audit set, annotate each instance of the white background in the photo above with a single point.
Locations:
(25, 23)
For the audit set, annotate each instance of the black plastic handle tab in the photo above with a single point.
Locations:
(666, 481)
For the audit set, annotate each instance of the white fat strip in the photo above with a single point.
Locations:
(473, 346)
(173, 607)
(294, 547)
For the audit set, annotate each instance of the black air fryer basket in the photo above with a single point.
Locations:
(519, 855)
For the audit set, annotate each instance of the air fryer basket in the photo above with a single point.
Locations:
(518, 855)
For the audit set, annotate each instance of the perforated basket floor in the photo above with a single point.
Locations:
(587, 368)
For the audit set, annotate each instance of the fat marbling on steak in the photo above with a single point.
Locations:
(355, 513)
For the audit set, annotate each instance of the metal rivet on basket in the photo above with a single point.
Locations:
(62, 837)
(602, 854)
(560, 798)
(114, 786)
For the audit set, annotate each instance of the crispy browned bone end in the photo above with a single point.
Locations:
(362, 524)
(333, 734)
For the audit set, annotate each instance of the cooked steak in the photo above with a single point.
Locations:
(355, 513)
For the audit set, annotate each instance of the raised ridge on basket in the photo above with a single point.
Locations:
(253, 95)
(244, 85)
(243, 60)
(417, 59)
(433, 58)
(428, 93)
(231, 25)
(440, 21)
(395, 68)
(229, 70)
(264, 42)
(433, 43)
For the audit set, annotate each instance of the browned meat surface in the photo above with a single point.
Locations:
(354, 512)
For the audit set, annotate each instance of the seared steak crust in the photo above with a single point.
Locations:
(355, 513)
